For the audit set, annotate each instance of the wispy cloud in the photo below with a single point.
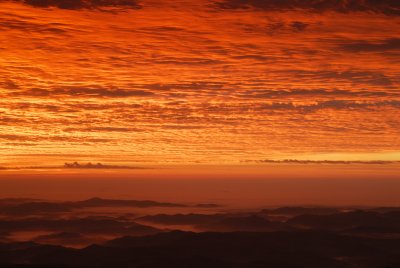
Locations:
(329, 162)
(72, 165)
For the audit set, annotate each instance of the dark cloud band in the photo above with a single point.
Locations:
(388, 7)
(82, 4)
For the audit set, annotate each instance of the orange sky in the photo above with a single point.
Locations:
(202, 81)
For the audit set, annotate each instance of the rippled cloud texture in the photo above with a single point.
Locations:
(158, 81)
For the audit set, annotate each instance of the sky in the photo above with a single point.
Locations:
(247, 187)
(188, 82)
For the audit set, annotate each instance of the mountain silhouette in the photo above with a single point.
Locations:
(233, 249)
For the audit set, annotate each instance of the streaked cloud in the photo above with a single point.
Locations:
(197, 82)
(385, 45)
(80, 4)
(328, 162)
(387, 7)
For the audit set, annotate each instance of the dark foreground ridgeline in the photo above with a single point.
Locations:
(233, 249)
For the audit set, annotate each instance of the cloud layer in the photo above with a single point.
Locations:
(197, 81)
